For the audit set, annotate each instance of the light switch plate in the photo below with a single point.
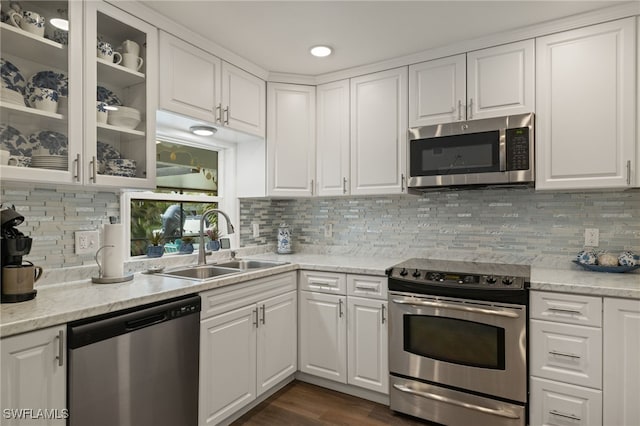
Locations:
(87, 241)
(256, 230)
(591, 237)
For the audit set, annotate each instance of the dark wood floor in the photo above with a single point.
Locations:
(303, 404)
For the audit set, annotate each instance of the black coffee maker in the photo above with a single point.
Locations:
(14, 246)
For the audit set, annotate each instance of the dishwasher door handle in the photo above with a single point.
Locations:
(137, 323)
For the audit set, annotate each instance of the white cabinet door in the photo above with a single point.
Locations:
(322, 336)
(501, 80)
(277, 340)
(189, 79)
(367, 364)
(333, 138)
(379, 132)
(560, 404)
(437, 91)
(291, 112)
(586, 112)
(243, 100)
(227, 364)
(621, 386)
(34, 375)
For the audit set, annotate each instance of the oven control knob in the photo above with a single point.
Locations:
(416, 274)
(491, 280)
(404, 272)
(507, 281)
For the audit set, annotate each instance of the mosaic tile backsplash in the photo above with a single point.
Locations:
(496, 221)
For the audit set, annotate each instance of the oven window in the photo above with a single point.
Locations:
(456, 341)
(457, 154)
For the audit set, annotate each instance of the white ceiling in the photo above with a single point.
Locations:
(277, 35)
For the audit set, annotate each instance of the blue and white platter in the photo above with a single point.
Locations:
(49, 142)
(601, 268)
(48, 80)
(107, 96)
(13, 141)
(107, 152)
(11, 76)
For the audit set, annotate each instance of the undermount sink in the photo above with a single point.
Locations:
(250, 264)
(202, 273)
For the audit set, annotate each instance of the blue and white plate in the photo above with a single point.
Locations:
(11, 76)
(13, 141)
(48, 80)
(107, 152)
(107, 96)
(50, 142)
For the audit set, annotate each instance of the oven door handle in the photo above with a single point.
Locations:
(508, 314)
(446, 400)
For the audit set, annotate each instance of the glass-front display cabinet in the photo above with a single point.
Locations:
(121, 98)
(41, 92)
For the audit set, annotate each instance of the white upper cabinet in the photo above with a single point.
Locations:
(485, 83)
(586, 111)
(51, 68)
(196, 84)
(189, 80)
(379, 132)
(437, 91)
(120, 151)
(333, 138)
(291, 139)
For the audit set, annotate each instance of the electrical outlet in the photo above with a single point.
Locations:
(591, 237)
(87, 241)
(328, 230)
(256, 230)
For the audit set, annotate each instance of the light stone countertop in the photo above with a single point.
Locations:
(61, 303)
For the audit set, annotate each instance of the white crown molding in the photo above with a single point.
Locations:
(281, 77)
(165, 24)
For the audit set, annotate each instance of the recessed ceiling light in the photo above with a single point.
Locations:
(320, 51)
(63, 24)
(203, 130)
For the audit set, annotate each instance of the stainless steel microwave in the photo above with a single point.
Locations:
(492, 151)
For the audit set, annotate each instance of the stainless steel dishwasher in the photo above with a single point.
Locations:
(136, 367)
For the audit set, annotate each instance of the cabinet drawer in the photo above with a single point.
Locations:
(367, 286)
(567, 308)
(569, 353)
(560, 404)
(323, 282)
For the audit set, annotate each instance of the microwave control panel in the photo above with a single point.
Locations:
(517, 148)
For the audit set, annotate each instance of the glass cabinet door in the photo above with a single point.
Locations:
(120, 98)
(40, 95)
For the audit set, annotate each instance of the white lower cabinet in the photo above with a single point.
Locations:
(561, 404)
(343, 337)
(621, 385)
(34, 377)
(247, 343)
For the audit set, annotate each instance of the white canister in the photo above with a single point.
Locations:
(284, 239)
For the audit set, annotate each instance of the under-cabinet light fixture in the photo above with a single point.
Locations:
(320, 51)
(203, 130)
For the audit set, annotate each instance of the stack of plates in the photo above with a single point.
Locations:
(53, 162)
(11, 96)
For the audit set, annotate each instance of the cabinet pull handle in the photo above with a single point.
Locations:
(384, 318)
(402, 182)
(564, 354)
(470, 108)
(367, 287)
(76, 176)
(340, 308)
(60, 356)
(255, 312)
(219, 113)
(312, 184)
(628, 172)
(94, 169)
(344, 185)
(568, 416)
(565, 311)
(226, 114)
(459, 110)
(263, 313)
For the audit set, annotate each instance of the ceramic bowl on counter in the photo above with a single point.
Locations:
(126, 117)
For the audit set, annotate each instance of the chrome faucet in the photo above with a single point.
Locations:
(202, 260)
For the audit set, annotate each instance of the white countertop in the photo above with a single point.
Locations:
(62, 303)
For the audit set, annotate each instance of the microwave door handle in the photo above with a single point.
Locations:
(508, 314)
(441, 398)
(503, 150)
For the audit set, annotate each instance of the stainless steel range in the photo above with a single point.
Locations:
(458, 341)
